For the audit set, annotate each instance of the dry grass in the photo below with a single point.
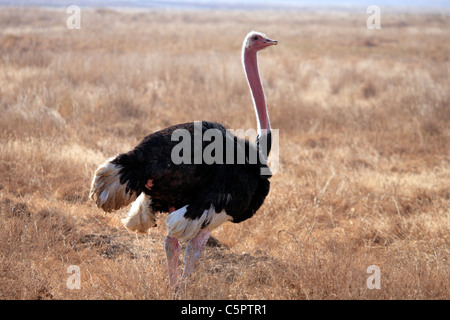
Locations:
(364, 177)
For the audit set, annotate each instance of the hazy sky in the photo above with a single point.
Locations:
(233, 3)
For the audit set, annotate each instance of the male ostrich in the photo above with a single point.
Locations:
(198, 196)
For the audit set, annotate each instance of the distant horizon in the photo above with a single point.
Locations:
(234, 4)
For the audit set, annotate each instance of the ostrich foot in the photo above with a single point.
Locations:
(173, 250)
(194, 251)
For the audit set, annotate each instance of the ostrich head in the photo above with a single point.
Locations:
(257, 41)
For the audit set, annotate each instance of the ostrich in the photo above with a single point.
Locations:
(198, 196)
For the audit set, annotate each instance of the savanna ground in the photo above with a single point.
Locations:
(364, 174)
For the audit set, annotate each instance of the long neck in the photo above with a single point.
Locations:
(251, 70)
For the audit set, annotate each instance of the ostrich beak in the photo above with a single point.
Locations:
(271, 42)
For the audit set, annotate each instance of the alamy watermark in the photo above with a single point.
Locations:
(374, 20)
(374, 281)
(212, 146)
(74, 281)
(73, 22)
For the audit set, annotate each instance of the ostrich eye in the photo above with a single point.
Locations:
(255, 38)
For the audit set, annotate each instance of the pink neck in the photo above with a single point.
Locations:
(251, 70)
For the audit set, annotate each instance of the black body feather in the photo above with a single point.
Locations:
(239, 189)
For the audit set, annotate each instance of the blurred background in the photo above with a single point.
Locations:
(233, 4)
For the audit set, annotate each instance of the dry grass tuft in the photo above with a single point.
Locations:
(364, 175)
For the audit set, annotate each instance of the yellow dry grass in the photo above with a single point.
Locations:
(364, 176)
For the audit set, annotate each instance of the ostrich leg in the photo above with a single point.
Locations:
(194, 251)
(173, 250)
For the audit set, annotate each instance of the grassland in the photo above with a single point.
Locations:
(364, 175)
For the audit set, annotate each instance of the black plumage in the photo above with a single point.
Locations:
(237, 188)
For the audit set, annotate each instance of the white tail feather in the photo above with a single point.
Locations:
(140, 217)
(106, 189)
